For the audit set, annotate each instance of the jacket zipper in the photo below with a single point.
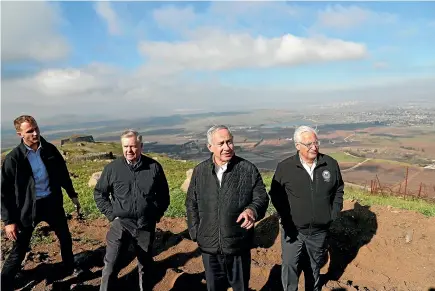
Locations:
(34, 190)
(219, 219)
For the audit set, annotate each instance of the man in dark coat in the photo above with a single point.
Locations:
(225, 197)
(32, 176)
(307, 192)
(139, 197)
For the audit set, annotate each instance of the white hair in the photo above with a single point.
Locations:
(300, 130)
(215, 128)
(132, 133)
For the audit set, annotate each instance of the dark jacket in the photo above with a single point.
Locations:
(140, 193)
(305, 205)
(212, 210)
(18, 194)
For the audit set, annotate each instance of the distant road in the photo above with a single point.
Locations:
(357, 165)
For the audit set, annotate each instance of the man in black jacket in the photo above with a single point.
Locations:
(307, 192)
(32, 176)
(226, 196)
(139, 198)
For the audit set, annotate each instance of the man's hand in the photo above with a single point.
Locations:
(11, 231)
(248, 217)
(76, 202)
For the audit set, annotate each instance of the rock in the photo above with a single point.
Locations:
(186, 182)
(409, 235)
(94, 179)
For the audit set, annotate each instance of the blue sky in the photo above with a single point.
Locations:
(166, 57)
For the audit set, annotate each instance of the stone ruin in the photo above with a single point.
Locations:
(77, 139)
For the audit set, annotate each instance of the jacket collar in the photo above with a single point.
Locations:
(22, 146)
(141, 164)
(320, 160)
(230, 164)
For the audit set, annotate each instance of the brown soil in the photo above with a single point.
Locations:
(376, 248)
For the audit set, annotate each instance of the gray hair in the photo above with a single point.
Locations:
(300, 130)
(132, 133)
(215, 128)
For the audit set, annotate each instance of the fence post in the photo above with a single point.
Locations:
(406, 180)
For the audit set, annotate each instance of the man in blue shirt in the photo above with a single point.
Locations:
(32, 176)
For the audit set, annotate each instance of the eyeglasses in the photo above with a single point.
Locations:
(309, 145)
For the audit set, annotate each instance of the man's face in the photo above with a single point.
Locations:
(308, 146)
(30, 133)
(131, 148)
(222, 146)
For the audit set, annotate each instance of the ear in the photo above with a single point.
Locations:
(298, 147)
(209, 147)
(19, 134)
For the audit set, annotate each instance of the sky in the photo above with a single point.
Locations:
(139, 59)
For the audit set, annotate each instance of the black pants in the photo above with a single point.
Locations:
(293, 251)
(120, 235)
(56, 219)
(222, 271)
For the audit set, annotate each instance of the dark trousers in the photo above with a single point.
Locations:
(222, 271)
(310, 247)
(120, 235)
(56, 219)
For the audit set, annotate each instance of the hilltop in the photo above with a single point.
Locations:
(378, 243)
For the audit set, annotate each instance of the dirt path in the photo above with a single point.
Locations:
(377, 248)
(356, 166)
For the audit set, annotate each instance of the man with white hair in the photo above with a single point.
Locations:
(133, 194)
(226, 196)
(307, 192)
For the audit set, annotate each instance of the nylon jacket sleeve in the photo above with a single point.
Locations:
(102, 194)
(9, 210)
(65, 179)
(260, 200)
(279, 199)
(337, 204)
(192, 207)
(162, 192)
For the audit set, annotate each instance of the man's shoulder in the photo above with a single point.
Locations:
(291, 160)
(205, 164)
(150, 161)
(245, 164)
(14, 154)
(328, 159)
(114, 164)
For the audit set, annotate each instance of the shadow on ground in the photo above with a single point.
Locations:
(52, 274)
(352, 230)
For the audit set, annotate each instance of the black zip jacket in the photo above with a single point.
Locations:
(304, 205)
(212, 210)
(18, 194)
(140, 193)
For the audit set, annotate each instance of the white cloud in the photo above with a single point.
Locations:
(173, 17)
(345, 17)
(220, 51)
(110, 92)
(29, 32)
(105, 11)
(234, 15)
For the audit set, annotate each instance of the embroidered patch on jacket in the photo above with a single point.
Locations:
(326, 175)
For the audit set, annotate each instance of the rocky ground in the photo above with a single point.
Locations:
(376, 248)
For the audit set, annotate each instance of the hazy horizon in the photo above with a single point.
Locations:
(125, 60)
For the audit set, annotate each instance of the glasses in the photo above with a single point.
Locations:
(309, 145)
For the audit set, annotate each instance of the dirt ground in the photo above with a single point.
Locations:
(371, 248)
